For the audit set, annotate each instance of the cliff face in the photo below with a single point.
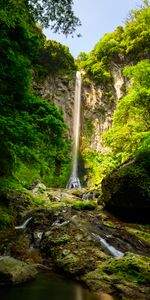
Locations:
(98, 105)
(59, 90)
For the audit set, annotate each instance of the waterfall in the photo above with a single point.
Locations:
(24, 225)
(111, 250)
(74, 181)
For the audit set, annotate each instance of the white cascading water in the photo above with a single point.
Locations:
(112, 250)
(24, 225)
(74, 181)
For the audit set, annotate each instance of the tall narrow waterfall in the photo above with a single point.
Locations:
(74, 181)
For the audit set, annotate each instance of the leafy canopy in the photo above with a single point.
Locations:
(57, 14)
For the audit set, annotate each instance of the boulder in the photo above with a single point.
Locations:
(126, 191)
(13, 271)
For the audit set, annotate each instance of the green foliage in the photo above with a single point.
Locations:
(97, 165)
(124, 44)
(109, 45)
(131, 123)
(33, 134)
(58, 15)
(136, 36)
(54, 58)
(97, 62)
(5, 218)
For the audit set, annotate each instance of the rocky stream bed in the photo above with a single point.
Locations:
(77, 238)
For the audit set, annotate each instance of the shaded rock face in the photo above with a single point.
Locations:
(59, 90)
(126, 191)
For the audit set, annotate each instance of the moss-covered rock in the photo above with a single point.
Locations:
(13, 271)
(84, 205)
(126, 191)
(70, 247)
(129, 275)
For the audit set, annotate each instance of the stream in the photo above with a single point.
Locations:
(49, 286)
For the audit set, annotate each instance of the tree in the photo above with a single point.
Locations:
(32, 131)
(54, 58)
(57, 14)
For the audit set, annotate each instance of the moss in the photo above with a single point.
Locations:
(89, 128)
(5, 218)
(13, 271)
(143, 236)
(130, 268)
(80, 205)
(62, 240)
(69, 260)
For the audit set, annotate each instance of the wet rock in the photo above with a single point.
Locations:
(13, 271)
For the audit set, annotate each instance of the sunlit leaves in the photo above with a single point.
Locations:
(131, 122)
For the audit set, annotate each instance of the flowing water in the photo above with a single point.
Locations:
(24, 225)
(109, 248)
(74, 181)
(50, 287)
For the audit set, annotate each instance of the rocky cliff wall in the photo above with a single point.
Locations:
(59, 90)
(97, 104)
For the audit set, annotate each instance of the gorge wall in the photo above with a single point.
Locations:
(59, 90)
(98, 103)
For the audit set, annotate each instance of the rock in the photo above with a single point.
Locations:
(66, 252)
(128, 276)
(126, 191)
(38, 186)
(13, 271)
(78, 237)
(68, 263)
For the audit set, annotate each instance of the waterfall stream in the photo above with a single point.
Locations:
(110, 249)
(74, 181)
(24, 225)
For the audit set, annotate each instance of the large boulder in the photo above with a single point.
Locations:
(126, 191)
(13, 271)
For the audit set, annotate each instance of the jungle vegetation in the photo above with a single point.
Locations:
(33, 135)
(127, 47)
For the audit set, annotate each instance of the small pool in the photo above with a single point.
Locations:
(49, 286)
